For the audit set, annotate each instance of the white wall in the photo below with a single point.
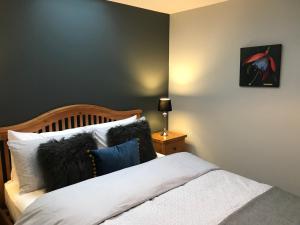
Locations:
(252, 131)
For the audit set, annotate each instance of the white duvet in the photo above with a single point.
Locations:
(177, 189)
(206, 200)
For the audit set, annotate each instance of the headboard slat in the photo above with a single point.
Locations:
(7, 161)
(54, 120)
(69, 122)
(2, 171)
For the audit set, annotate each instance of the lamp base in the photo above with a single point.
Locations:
(164, 133)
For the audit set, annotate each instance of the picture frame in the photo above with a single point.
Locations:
(260, 66)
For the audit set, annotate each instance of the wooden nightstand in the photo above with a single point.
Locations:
(174, 142)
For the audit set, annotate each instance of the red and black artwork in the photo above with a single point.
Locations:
(260, 66)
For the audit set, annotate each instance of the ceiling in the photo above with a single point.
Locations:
(168, 6)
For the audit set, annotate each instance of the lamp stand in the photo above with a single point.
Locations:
(165, 131)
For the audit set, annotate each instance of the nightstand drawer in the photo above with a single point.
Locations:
(173, 147)
(173, 143)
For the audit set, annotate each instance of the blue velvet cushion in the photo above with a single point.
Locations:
(115, 158)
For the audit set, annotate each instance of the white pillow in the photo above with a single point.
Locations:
(15, 140)
(100, 134)
(13, 135)
(26, 166)
(22, 136)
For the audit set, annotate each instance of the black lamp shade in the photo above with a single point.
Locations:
(164, 105)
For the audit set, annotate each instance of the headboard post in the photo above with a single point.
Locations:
(2, 169)
(58, 119)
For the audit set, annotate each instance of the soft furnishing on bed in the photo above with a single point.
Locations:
(112, 194)
(179, 189)
(274, 207)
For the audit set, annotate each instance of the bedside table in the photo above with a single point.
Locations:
(174, 142)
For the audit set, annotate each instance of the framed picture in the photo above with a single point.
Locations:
(260, 66)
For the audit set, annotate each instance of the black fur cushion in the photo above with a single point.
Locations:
(141, 130)
(66, 162)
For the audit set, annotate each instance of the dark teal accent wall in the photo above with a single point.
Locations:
(60, 52)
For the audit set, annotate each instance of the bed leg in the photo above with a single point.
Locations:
(5, 218)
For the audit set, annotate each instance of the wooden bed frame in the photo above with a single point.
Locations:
(55, 120)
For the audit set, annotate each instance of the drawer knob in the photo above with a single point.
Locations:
(174, 148)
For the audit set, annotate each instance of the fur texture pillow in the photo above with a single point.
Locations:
(66, 162)
(141, 130)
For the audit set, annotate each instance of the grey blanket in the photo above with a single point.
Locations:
(274, 207)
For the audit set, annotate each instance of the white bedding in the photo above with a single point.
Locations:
(159, 155)
(16, 202)
(206, 200)
(203, 200)
(93, 201)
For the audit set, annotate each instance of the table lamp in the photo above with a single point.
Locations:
(165, 106)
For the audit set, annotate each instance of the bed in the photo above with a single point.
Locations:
(55, 120)
(178, 189)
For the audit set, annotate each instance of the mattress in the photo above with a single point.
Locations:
(16, 202)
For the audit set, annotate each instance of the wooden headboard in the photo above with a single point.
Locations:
(55, 120)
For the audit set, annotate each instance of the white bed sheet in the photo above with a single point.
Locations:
(16, 202)
(159, 155)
